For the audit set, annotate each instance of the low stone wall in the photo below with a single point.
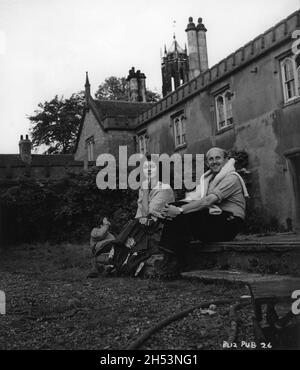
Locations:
(262, 258)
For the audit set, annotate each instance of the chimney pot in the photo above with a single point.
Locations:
(25, 149)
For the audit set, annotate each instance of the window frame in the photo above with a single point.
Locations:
(90, 145)
(228, 120)
(295, 79)
(145, 143)
(179, 132)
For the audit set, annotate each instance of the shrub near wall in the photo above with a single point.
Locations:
(62, 210)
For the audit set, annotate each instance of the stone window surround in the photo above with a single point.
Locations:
(179, 117)
(223, 94)
(296, 77)
(142, 141)
(89, 142)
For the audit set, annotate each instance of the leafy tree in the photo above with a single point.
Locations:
(56, 123)
(152, 96)
(115, 88)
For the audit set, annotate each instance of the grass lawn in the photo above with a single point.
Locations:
(51, 305)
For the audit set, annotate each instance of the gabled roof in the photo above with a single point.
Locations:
(116, 108)
(39, 160)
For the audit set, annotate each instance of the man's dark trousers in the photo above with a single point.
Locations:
(199, 225)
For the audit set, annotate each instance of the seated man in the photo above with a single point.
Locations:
(214, 212)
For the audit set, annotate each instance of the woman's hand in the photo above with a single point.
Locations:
(170, 211)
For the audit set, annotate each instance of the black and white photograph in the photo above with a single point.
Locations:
(149, 178)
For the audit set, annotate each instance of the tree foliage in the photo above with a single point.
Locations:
(56, 123)
(115, 88)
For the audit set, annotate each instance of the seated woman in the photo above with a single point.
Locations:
(134, 243)
(153, 196)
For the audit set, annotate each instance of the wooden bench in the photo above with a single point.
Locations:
(269, 327)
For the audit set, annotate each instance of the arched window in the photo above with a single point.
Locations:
(90, 148)
(179, 130)
(142, 140)
(224, 109)
(290, 71)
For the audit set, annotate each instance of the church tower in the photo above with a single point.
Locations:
(174, 67)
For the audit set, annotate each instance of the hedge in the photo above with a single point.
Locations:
(61, 210)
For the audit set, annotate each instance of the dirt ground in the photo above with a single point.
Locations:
(50, 304)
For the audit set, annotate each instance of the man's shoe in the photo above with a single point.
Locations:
(168, 268)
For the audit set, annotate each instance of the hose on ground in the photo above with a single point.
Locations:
(234, 320)
(161, 324)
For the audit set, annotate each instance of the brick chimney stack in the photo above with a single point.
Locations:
(202, 47)
(142, 86)
(25, 149)
(194, 63)
(197, 48)
(136, 86)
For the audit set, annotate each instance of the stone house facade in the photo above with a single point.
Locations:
(108, 124)
(249, 101)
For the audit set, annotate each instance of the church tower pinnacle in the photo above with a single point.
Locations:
(174, 67)
(87, 91)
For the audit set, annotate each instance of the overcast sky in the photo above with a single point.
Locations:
(47, 45)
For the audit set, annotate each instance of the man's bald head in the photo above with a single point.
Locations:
(216, 159)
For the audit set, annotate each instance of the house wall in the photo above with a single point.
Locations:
(117, 138)
(105, 141)
(264, 126)
(90, 128)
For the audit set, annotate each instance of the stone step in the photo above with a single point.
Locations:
(259, 255)
(235, 276)
(270, 254)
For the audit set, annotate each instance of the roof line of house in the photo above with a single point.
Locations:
(98, 118)
(254, 49)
